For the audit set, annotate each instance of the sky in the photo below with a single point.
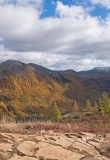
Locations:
(57, 34)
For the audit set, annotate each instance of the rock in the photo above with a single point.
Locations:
(48, 151)
(27, 148)
(50, 132)
(42, 132)
(54, 146)
(40, 138)
(22, 158)
(95, 158)
(88, 135)
(5, 147)
(83, 146)
(58, 140)
(104, 149)
(108, 137)
(5, 155)
(18, 138)
(84, 149)
(101, 158)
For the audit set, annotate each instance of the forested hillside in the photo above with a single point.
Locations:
(27, 90)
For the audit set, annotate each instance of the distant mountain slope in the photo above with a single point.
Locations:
(102, 69)
(32, 90)
(97, 71)
(81, 85)
(57, 75)
(41, 69)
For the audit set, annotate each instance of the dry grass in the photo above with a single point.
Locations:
(93, 126)
(30, 127)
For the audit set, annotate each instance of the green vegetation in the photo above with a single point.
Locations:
(96, 106)
(27, 94)
(88, 106)
(92, 119)
(56, 114)
(14, 110)
(104, 104)
(75, 107)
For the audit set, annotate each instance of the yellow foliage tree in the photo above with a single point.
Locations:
(57, 116)
(75, 107)
(4, 111)
(88, 105)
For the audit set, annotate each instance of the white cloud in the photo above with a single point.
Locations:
(71, 39)
(52, 61)
(104, 3)
(70, 11)
(33, 3)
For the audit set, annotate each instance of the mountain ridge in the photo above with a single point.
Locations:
(47, 71)
(44, 69)
(32, 89)
(102, 69)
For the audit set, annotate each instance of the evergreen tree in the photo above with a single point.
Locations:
(75, 107)
(57, 116)
(102, 112)
(88, 105)
(96, 106)
(104, 104)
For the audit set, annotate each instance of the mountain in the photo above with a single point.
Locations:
(80, 85)
(102, 69)
(97, 71)
(40, 69)
(25, 91)
(31, 90)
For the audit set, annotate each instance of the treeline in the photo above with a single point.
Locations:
(102, 106)
(54, 112)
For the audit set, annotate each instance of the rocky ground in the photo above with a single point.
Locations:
(54, 146)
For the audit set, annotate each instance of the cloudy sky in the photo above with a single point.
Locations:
(57, 34)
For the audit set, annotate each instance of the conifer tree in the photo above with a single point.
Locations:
(75, 107)
(102, 112)
(96, 106)
(57, 116)
(104, 104)
(88, 105)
